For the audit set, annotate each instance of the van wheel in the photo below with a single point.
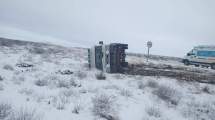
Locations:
(186, 62)
(213, 66)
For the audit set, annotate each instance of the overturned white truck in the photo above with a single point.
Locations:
(108, 58)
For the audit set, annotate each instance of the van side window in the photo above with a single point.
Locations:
(206, 53)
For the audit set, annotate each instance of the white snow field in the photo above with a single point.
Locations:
(49, 82)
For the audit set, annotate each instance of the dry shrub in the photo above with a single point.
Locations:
(26, 91)
(206, 89)
(25, 114)
(140, 85)
(81, 75)
(119, 76)
(113, 87)
(199, 111)
(1, 78)
(41, 82)
(8, 67)
(18, 79)
(103, 106)
(5, 111)
(126, 93)
(100, 76)
(152, 84)
(168, 94)
(77, 108)
(60, 101)
(63, 84)
(153, 112)
(1, 87)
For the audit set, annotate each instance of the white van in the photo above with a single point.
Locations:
(201, 55)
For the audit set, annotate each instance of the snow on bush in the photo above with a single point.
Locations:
(8, 67)
(41, 82)
(119, 76)
(5, 111)
(76, 109)
(113, 87)
(18, 79)
(68, 92)
(1, 78)
(140, 85)
(199, 111)
(126, 93)
(25, 114)
(60, 101)
(152, 84)
(168, 94)
(26, 91)
(37, 50)
(103, 106)
(100, 76)
(1, 87)
(74, 83)
(63, 84)
(207, 89)
(153, 112)
(81, 75)
(24, 65)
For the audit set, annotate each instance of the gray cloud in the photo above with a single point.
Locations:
(173, 26)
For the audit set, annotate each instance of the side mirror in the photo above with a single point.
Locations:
(189, 54)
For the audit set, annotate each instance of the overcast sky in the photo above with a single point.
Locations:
(174, 26)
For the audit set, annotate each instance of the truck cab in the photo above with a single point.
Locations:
(201, 56)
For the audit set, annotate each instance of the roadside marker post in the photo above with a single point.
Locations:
(149, 45)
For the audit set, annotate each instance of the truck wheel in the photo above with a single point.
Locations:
(213, 66)
(186, 62)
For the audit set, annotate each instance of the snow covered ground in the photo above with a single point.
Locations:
(50, 82)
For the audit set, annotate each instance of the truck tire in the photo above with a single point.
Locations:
(186, 62)
(213, 66)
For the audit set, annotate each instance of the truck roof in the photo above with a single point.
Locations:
(205, 47)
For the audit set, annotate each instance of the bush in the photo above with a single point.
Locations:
(152, 84)
(17, 79)
(154, 112)
(100, 76)
(25, 65)
(1, 78)
(5, 110)
(63, 84)
(41, 82)
(77, 109)
(25, 114)
(68, 92)
(140, 85)
(103, 106)
(199, 111)
(8, 67)
(1, 87)
(81, 75)
(26, 91)
(37, 50)
(126, 93)
(206, 89)
(60, 101)
(74, 83)
(168, 94)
